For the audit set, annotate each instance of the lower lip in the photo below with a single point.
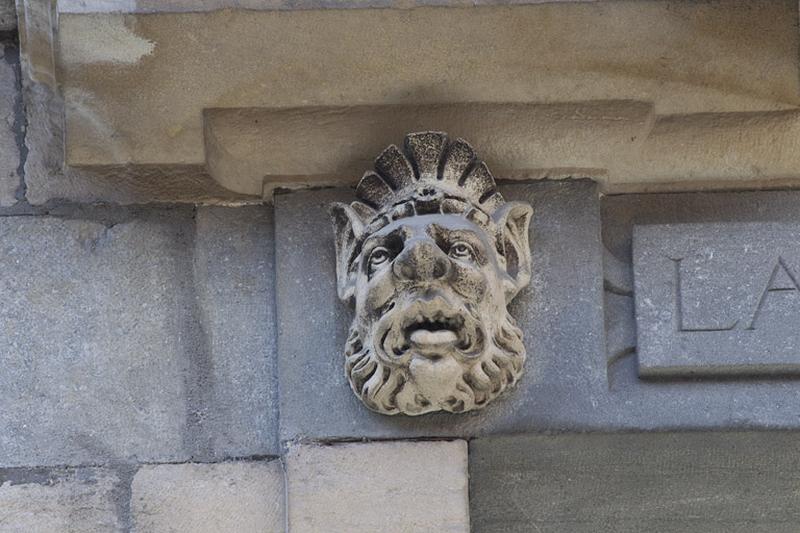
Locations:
(423, 337)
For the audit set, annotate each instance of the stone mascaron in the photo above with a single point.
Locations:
(431, 255)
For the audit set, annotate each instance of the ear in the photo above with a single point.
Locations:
(348, 227)
(513, 220)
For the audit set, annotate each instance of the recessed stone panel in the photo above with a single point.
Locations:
(561, 314)
(717, 299)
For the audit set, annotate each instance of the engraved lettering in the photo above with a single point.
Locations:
(772, 286)
(679, 305)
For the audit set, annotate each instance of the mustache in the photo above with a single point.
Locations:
(393, 332)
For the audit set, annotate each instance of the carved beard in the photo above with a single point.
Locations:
(391, 389)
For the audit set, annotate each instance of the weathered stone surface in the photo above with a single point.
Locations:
(9, 149)
(431, 281)
(235, 273)
(98, 341)
(247, 147)
(717, 299)
(63, 501)
(201, 145)
(666, 482)
(8, 15)
(387, 487)
(245, 497)
(322, 59)
(623, 144)
(561, 314)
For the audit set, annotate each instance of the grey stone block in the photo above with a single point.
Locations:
(9, 97)
(235, 276)
(665, 482)
(99, 339)
(717, 299)
(84, 500)
(561, 314)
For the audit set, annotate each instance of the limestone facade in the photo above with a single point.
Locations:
(171, 332)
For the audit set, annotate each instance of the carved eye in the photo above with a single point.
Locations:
(379, 257)
(463, 251)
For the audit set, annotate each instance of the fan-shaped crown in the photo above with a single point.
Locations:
(432, 174)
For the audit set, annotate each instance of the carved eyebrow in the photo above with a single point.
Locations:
(439, 232)
(397, 234)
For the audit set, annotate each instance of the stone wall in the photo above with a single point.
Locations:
(171, 338)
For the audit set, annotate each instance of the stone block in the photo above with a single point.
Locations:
(100, 341)
(624, 483)
(235, 274)
(9, 97)
(84, 500)
(245, 497)
(561, 314)
(717, 299)
(312, 57)
(8, 15)
(379, 487)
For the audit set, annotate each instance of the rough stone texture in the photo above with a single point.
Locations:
(665, 482)
(9, 149)
(380, 487)
(235, 273)
(63, 501)
(717, 299)
(131, 333)
(245, 497)
(561, 315)
(8, 15)
(97, 339)
(157, 6)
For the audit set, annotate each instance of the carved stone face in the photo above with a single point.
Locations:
(431, 330)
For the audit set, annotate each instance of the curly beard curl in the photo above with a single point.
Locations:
(381, 386)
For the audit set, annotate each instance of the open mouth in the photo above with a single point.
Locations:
(438, 329)
(429, 328)
(432, 334)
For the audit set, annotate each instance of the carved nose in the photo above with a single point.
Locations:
(421, 260)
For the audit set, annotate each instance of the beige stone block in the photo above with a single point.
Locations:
(683, 57)
(338, 144)
(241, 497)
(77, 501)
(622, 144)
(380, 487)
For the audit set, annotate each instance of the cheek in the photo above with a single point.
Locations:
(375, 293)
(470, 281)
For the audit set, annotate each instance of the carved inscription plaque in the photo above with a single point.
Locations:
(717, 299)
